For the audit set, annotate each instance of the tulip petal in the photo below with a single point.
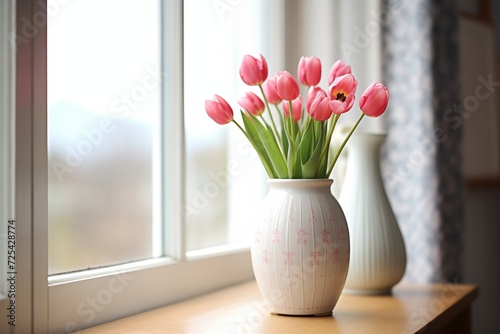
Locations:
(219, 110)
(337, 107)
(374, 100)
(309, 71)
(338, 69)
(269, 88)
(253, 71)
(252, 103)
(286, 86)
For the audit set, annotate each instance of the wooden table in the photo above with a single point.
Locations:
(436, 308)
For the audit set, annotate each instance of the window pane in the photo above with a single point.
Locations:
(104, 83)
(224, 176)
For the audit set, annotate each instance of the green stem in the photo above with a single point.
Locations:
(275, 129)
(329, 137)
(291, 120)
(344, 143)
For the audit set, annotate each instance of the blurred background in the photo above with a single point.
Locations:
(480, 47)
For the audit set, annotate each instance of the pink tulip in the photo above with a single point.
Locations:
(318, 104)
(253, 71)
(374, 100)
(309, 71)
(286, 86)
(338, 69)
(252, 103)
(296, 108)
(311, 95)
(269, 88)
(342, 92)
(219, 110)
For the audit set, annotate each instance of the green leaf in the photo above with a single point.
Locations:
(306, 142)
(284, 139)
(270, 145)
(311, 160)
(291, 162)
(254, 138)
(323, 163)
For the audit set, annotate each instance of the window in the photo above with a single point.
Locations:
(77, 257)
(104, 111)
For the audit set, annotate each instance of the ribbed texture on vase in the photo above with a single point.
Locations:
(300, 253)
(378, 256)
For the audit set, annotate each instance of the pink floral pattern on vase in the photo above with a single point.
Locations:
(312, 219)
(288, 257)
(265, 256)
(276, 237)
(302, 237)
(325, 236)
(258, 234)
(314, 257)
(336, 253)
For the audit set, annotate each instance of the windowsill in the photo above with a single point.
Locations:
(240, 309)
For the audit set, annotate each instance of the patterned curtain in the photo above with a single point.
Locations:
(422, 157)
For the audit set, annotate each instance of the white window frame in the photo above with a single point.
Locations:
(7, 133)
(65, 303)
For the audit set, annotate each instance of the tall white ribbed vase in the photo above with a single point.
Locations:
(300, 251)
(378, 255)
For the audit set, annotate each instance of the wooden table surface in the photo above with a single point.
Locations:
(435, 308)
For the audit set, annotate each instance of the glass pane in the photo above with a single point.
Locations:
(104, 83)
(224, 176)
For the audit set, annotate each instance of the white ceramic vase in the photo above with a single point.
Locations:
(378, 256)
(300, 251)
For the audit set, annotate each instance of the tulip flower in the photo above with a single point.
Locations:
(219, 110)
(309, 71)
(298, 144)
(252, 103)
(318, 104)
(253, 71)
(374, 100)
(286, 86)
(269, 88)
(296, 108)
(342, 92)
(338, 69)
